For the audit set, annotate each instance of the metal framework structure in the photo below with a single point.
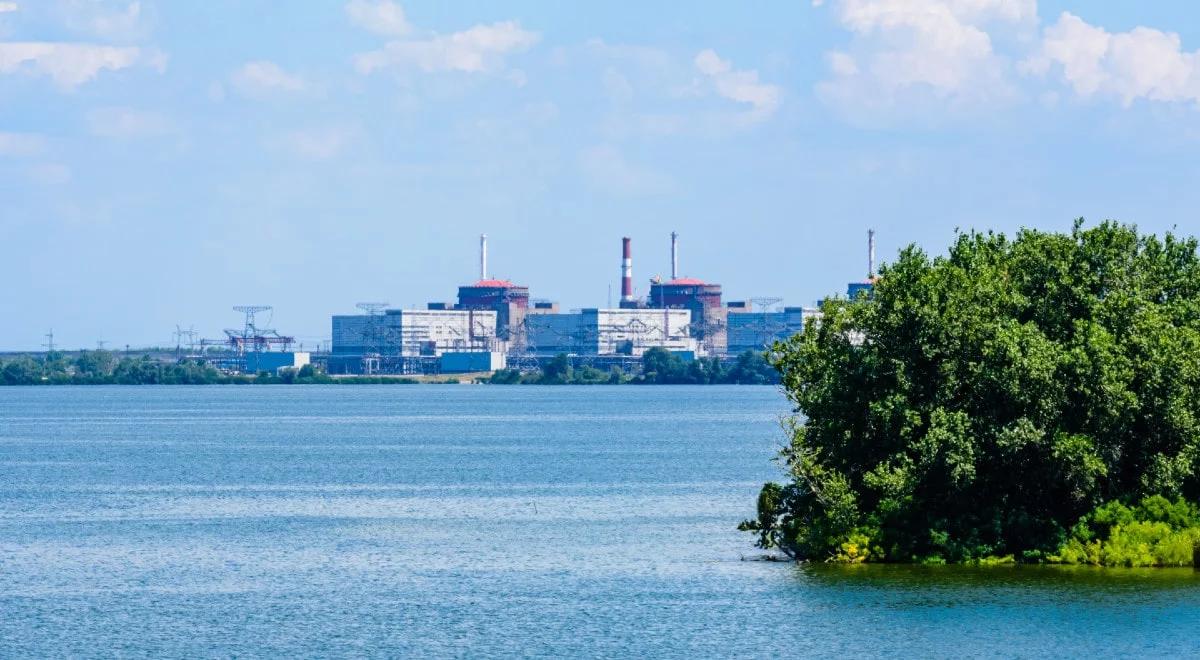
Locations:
(765, 303)
(375, 336)
(250, 338)
(190, 334)
(522, 353)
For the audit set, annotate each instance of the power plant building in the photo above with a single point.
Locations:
(702, 299)
(414, 332)
(610, 332)
(510, 301)
(758, 331)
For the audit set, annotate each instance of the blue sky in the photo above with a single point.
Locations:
(163, 161)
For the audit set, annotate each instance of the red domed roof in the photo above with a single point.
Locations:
(494, 284)
(686, 281)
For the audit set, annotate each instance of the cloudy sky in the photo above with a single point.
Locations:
(162, 161)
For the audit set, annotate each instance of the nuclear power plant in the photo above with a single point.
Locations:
(495, 324)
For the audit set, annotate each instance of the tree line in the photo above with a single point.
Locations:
(107, 368)
(658, 367)
(100, 367)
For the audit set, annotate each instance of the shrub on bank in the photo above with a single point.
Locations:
(1156, 532)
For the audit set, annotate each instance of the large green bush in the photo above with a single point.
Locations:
(981, 403)
(1156, 532)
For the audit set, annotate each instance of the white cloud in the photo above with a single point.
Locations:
(1142, 63)
(903, 49)
(111, 20)
(842, 64)
(605, 168)
(740, 86)
(378, 16)
(6, 7)
(71, 64)
(474, 50)
(21, 144)
(315, 143)
(262, 78)
(126, 123)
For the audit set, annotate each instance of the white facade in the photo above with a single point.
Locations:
(414, 332)
(610, 331)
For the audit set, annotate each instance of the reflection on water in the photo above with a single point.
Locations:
(432, 521)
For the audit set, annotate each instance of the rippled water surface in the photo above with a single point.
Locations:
(476, 521)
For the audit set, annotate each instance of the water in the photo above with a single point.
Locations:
(476, 521)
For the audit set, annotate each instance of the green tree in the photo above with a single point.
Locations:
(662, 366)
(983, 402)
(751, 368)
(21, 371)
(95, 364)
(506, 377)
(557, 370)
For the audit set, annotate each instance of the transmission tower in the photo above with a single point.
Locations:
(249, 327)
(372, 336)
(522, 352)
(49, 341)
(372, 308)
(189, 334)
(250, 332)
(765, 303)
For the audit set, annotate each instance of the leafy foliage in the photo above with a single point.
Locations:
(659, 367)
(981, 403)
(106, 368)
(1156, 532)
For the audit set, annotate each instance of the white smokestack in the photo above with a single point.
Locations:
(626, 271)
(674, 256)
(483, 256)
(870, 254)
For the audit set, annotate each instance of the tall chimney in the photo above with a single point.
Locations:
(483, 256)
(674, 256)
(626, 271)
(870, 254)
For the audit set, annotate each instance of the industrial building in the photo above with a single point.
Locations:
(471, 361)
(396, 340)
(758, 331)
(273, 361)
(701, 299)
(414, 332)
(610, 332)
(509, 301)
(865, 287)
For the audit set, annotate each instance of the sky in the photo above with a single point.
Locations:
(162, 161)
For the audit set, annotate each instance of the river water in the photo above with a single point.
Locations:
(439, 521)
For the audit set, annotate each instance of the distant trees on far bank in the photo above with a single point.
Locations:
(659, 367)
(107, 368)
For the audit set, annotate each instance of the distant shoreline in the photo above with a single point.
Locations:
(656, 367)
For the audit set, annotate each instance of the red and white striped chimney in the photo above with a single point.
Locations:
(626, 271)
